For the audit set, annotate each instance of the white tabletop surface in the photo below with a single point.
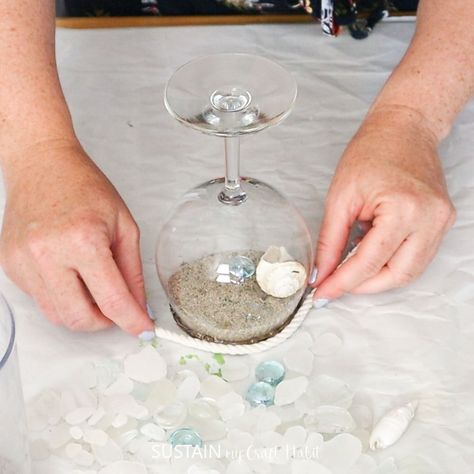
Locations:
(415, 343)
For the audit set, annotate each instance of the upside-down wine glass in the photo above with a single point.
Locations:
(234, 255)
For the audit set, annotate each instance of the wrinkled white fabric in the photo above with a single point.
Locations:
(415, 343)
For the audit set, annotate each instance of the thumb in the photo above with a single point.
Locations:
(333, 234)
(126, 252)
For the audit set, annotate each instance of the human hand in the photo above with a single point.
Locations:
(390, 174)
(70, 242)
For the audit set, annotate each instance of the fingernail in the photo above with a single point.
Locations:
(320, 303)
(150, 312)
(313, 276)
(146, 336)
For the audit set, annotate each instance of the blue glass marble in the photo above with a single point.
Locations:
(241, 268)
(270, 371)
(185, 437)
(260, 393)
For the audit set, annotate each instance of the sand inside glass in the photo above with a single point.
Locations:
(227, 312)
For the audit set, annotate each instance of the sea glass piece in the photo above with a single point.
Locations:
(330, 419)
(97, 416)
(125, 438)
(238, 439)
(332, 391)
(387, 466)
(79, 415)
(267, 421)
(340, 453)
(365, 464)
(188, 387)
(107, 454)
(214, 387)
(76, 432)
(153, 432)
(210, 430)
(146, 366)
(57, 436)
(72, 450)
(270, 371)
(163, 392)
(203, 408)
(362, 416)
(295, 435)
(290, 390)
(260, 393)
(305, 466)
(95, 437)
(124, 467)
(126, 405)
(185, 437)
(234, 370)
(230, 406)
(84, 458)
(314, 441)
(172, 415)
(300, 361)
(122, 385)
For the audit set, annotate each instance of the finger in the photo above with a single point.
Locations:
(126, 252)
(374, 251)
(28, 279)
(43, 300)
(113, 297)
(407, 263)
(73, 302)
(363, 227)
(36, 288)
(333, 235)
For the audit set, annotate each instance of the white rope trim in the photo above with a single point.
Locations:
(241, 349)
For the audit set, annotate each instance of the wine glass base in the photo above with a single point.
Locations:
(253, 340)
(230, 94)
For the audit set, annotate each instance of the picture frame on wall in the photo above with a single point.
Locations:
(358, 16)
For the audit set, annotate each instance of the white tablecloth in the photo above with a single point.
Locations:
(412, 343)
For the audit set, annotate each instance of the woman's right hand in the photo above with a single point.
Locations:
(70, 242)
(390, 175)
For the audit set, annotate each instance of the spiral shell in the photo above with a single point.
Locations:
(392, 426)
(278, 274)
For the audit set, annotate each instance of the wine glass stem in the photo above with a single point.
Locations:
(232, 192)
(232, 162)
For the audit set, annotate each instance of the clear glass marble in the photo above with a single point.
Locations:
(241, 268)
(270, 371)
(210, 249)
(260, 393)
(14, 455)
(185, 437)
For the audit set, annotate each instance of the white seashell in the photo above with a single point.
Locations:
(392, 426)
(278, 274)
